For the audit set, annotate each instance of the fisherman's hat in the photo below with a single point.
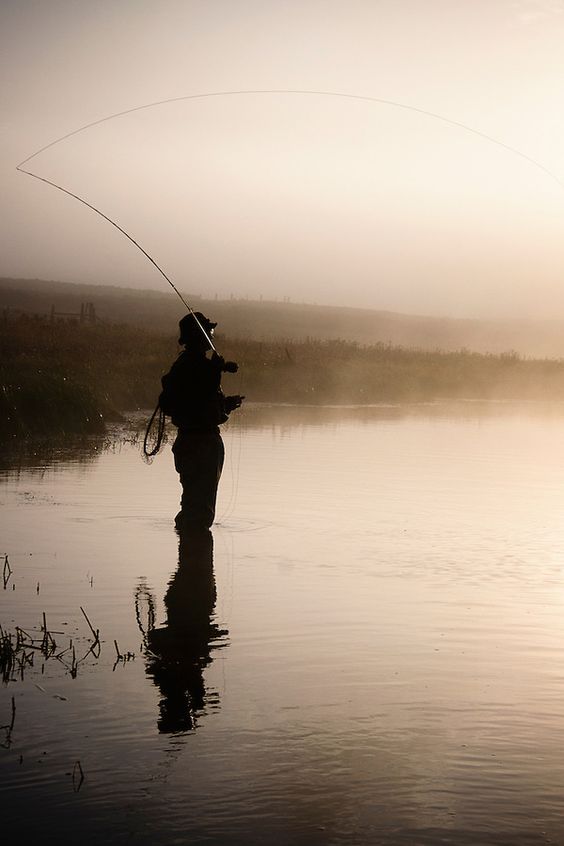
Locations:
(189, 326)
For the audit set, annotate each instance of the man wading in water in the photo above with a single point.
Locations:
(193, 398)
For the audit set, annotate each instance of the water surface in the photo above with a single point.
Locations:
(377, 642)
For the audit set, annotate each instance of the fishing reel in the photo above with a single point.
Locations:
(225, 366)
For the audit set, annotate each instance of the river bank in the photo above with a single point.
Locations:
(59, 378)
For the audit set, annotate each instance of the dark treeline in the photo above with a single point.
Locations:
(64, 376)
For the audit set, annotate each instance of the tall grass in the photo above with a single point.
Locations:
(67, 377)
(344, 372)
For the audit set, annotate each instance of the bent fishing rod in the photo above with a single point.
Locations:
(133, 241)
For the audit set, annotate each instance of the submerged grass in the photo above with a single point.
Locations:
(18, 650)
(68, 377)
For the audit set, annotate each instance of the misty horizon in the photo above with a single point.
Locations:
(317, 198)
(225, 297)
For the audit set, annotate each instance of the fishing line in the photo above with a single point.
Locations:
(299, 92)
(154, 434)
(227, 510)
(127, 235)
(238, 93)
(235, 463)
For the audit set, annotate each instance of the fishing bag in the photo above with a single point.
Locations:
(169, 397)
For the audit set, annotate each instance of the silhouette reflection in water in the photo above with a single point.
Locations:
(178, 652)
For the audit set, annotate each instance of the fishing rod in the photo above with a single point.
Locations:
(127, 235)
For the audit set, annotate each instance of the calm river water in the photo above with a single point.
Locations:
(371, 653)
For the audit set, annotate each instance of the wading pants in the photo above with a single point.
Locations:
(198, 458)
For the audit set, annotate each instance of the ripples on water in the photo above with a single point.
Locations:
(370, 650)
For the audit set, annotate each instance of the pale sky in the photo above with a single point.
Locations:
(315, 198)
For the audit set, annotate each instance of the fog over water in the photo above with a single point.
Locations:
(304, 196)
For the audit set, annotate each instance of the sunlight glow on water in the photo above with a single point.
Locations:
(390, 665)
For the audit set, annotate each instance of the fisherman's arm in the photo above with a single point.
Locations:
(233, 402)
(224, 366)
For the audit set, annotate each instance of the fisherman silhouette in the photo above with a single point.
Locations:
(193, 398)
(179, 652)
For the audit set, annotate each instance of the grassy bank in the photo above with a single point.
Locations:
(67, 377)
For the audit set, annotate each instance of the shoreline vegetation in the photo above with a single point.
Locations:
(264, 319)
(65, 377)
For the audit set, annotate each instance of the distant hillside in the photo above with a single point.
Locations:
(268, 320)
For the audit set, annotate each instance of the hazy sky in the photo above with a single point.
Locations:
(316, 198)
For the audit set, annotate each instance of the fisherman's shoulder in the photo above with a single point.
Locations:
(187, 361)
